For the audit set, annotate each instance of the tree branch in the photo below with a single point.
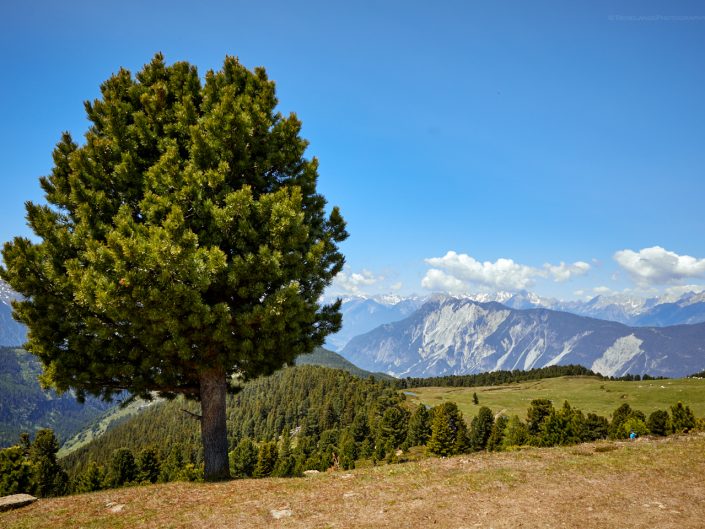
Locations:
(194, 415)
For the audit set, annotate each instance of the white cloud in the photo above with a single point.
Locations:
(503, 273)
(354, 283)
(563, 272)
(396, 286)
(658, 266)
(438, 281)
(601, 290)
(460, 273)
(457, 273)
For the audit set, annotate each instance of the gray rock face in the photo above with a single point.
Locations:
(15, 501)
(460, 336)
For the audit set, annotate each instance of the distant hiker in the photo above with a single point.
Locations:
(632, 435)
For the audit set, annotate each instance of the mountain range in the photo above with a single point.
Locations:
(620, 307)
(457, 336)
(362, 314)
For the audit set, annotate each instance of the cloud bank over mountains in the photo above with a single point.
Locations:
(658, 266)
(647, 272)
(458, 273)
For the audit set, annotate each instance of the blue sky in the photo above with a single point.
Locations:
(470, 145)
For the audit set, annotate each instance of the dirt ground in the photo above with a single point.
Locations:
(647, 483)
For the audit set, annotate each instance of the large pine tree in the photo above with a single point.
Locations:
(183, 245)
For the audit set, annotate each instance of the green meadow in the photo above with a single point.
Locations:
(589, 394)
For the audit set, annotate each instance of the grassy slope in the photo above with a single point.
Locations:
(646, 483)
(586, 393)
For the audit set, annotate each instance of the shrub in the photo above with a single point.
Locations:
(659, 423)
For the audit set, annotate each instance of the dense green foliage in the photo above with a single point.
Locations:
(186, 229)
(682, 418)
(481, 428)
(32, 467)
(26, 407)
(449, 434)
(182, 245)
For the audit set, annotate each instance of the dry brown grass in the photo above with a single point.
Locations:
(647, 483)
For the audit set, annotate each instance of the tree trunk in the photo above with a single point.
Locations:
(213, 430)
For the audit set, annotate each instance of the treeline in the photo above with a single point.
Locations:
(309, 418)
(498, 378)
(547, 426)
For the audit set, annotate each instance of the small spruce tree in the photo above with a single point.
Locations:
(16, 472)
(539, 410)
(123, 468)
(448, 431)
(286, 463)
(682, 418)
(516, 433)
(419, 427)
(148, 465)
(243, 459)
(266, 459)
(481, 428)
(49, 477)
(92, 479)
(494, 443)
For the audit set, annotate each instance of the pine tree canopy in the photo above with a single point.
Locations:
(185, 232)
(182, 244)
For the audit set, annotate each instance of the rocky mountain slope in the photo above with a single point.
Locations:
(456, 336)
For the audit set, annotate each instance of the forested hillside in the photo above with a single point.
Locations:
(25, 407)
(307, 401)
